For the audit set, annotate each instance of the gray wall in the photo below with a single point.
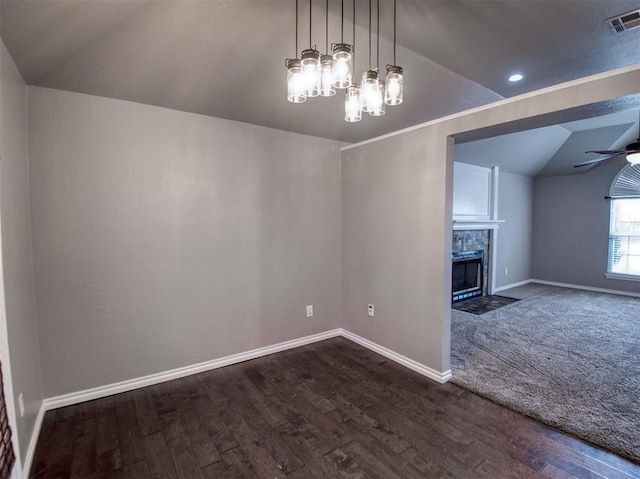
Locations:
(164, 238)
(397, 194)
(17, 256)
(514, 245)
(571, 228)
(394, 236)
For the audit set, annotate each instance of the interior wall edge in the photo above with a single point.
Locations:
(21, 359)
(33, 441)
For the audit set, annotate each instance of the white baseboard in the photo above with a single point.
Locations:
(441, 377)
(33, 442)
(513, 285)
(587, 288)
(568, 285)
(131, 384)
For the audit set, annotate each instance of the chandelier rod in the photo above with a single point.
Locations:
(369, 34)
(394, 32)
(310, 10)
(378, 35)
(353, 57)
(326, 27)
(342, 23)
(296, 53)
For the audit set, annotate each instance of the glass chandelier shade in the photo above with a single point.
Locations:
(295, 83)
(314, 74)
(326, 76)
(395, 85)
(378, 106)
(369, 90)
(342, 65)
(310, 66)
(352, 107)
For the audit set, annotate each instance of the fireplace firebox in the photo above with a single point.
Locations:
(467, 275)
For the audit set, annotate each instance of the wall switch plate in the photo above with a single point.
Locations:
(506, 271)
(371, 310)
(21, 405)
(309, 310)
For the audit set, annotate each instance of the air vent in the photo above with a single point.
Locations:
(625, 22)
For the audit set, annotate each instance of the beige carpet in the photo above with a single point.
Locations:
(566, 357)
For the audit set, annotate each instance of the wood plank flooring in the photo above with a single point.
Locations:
(328, 410)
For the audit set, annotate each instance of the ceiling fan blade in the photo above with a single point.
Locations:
(607, 152)
(598, 160)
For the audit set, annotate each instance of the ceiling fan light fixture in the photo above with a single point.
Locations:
(631, 152)
(634, 158)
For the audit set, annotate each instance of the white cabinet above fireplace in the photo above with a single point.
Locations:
(472, 192)
(475, 197)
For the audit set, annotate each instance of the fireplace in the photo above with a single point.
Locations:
(467, 275)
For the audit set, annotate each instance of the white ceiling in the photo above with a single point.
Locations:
(523, 153)
(225, 58)
(552, 150)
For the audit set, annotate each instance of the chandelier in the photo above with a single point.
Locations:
(313, 74)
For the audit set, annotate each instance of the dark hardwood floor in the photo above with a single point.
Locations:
(330, 409)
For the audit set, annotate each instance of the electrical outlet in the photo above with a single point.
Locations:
(506, 271)
(371, 310)
(21, 405)
(309, 310)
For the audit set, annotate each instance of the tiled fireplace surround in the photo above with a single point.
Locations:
(473, 240)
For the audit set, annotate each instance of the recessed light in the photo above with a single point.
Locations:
(515, 77)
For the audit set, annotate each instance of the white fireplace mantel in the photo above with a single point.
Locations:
(476, 225)
(475, 206)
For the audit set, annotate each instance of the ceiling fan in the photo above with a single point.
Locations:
(632, 151)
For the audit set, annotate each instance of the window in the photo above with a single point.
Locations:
(624, 224)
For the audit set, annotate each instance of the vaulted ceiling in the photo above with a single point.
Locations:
(225, 58)
(553, 150)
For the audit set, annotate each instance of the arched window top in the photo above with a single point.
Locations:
(627, 182)
(624, 225)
